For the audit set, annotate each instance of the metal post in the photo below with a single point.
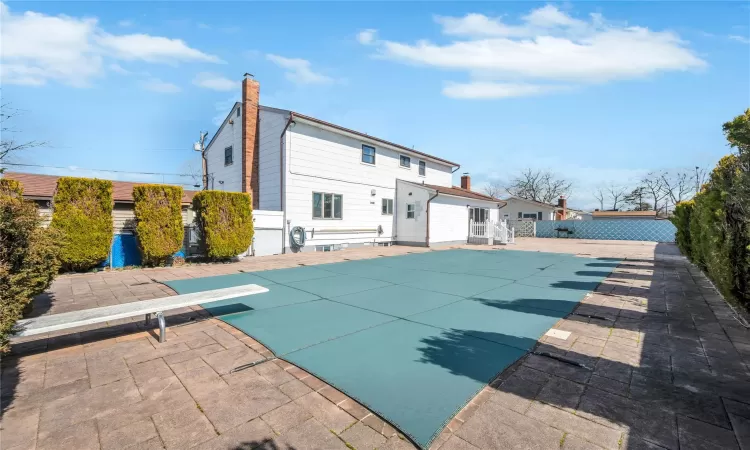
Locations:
(148, 319)
(162, 327)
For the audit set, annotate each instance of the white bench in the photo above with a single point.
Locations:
(63, 321)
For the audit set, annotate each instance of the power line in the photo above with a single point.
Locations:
(102, 170)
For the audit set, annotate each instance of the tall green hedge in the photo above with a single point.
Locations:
(158, 214)
(82, 212)
(29, 256)
(225, 220)
(713, 230)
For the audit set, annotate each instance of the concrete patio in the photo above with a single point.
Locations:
(663, 364)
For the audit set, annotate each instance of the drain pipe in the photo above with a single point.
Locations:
(427, 238)
(281, 181)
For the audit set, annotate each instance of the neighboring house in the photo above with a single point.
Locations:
(577, 214)
(522, 209)
(339, 184)
(616, 215)
(41, 189)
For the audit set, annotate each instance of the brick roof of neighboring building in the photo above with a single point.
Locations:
(43, 186)
(460, 192)
(624, 213)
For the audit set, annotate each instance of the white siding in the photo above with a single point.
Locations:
(515, 206)
(319, 160)
(271, 125)
(449, 218)
(411, 230)
(231, 175)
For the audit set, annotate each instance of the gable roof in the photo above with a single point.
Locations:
(458, 192)
(533, 202)
(43, 187)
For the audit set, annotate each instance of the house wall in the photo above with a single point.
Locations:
(411, 231)
(515, 206)
(268, 227)
(271, 125)
(231, 175)
(318, 160)
(449, 218)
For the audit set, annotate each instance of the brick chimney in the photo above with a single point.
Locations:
(250, 124)
(466, 182)
(563, 204)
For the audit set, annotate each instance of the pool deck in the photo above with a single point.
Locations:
(664, 364)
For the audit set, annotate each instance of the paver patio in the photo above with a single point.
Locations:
(666, 366)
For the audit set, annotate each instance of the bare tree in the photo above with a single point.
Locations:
(494, 189)
(9, 145)
(653, 186)
(700, 176)
(600, 195)
(617, 195)
(538, 185)
(678, 185)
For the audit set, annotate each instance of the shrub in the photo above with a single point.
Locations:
(29, 256)
(158, 214)
(225, 221)
(83, 215)
(681, 220)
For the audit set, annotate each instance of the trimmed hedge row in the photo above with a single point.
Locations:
(158, 213)
(83, 216)
(713, 229)
(29, 256)
(225, 221)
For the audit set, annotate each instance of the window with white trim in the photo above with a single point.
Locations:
(387, 207)
(327, 206)
(479, 214)
(404, 161)
(422, 168)
(410, 210)
(368, 154)
(228, 157)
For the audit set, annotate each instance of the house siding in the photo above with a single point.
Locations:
(318, 160)
(271, 125)
(449, 218)
(411, 231)
(231, 175)
(515, 206)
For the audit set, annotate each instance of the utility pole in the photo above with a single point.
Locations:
(200, 147)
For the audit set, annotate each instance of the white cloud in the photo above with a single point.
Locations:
(114, 67)
(547, 44)
(38, 48)
(222, 109)
(157, 85)
(367, 36)
(298, 70)
(738, 38)
(126, 23)
(492, 90)
(215, 82)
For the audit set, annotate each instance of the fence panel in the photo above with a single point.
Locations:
(618, 230)
(524, 228)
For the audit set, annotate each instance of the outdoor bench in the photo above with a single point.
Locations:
(64, 321)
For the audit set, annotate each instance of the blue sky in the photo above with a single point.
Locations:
(599, 92)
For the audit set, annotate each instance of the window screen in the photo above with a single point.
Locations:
(368, 154)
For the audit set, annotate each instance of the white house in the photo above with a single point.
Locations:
(521, 208)
(344, 187)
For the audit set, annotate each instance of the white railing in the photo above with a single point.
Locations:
(491, 232)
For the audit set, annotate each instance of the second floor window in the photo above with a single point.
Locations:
(327, 206)
(405, 161)
(228, 159)
(387, 207)
(422, 168)
(368, 154)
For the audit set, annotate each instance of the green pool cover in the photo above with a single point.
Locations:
(411, 337)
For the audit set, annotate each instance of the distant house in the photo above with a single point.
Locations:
(617, 215)
(41, 189)
(523, 209)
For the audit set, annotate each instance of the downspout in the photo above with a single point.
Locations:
(427, 238)
(281, 181)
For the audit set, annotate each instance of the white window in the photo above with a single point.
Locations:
(532, 216)
(387, 209)
(405, 161)
(410, 210)
(422, 168)
(327, 206)
(368, 154)
(479, 214)
(228, 157)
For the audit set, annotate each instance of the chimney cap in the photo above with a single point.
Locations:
(465, 174)
(249, 75)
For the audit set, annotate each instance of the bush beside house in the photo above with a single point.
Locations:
(158, 214)
(83, 216)
(29, 256)
(713, 229)
(225, 221)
